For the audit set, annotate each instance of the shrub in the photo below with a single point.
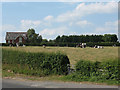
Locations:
(107, 71)
(104, 70)
(110, 70)
(87, 68)
(36, 63)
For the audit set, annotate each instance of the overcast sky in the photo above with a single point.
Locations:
(51, 19)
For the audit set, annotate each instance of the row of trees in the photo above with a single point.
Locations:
(87, 38)
(36, 38)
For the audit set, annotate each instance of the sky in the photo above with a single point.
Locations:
(51, 19)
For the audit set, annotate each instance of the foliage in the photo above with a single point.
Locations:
(87, 38)
(103, 70)
(96, 71)
(39, 39)
(92, 44)
(36, 63)
(110, 38)
(32, 37)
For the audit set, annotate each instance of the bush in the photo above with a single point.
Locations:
(87, 68)
(110, 70)
(4, 44)
(107, 71)
(36, 63)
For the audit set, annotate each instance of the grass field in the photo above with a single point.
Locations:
(76, 54)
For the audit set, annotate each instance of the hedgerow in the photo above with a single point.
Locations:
(36, 63)
(107, 71)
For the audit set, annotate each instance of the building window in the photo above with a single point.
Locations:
(8, 41)
(13, 41)
(24, 35)
(20, 39)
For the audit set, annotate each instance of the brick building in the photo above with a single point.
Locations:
(16, 37)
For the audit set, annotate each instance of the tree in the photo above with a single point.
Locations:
(44, 40)
(114, 38)
(30, 33)
(39, 39)
(57, 39)
(33, 37)
(110, 38)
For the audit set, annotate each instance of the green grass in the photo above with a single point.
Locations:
(76, 54)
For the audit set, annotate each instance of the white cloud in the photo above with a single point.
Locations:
(54, 31)
(87, 9)
(83, 23)
(48, 18)
(65, 17)
(71, 24)
(111, 24)
(109, 27)
(97, 8)
(26, 24)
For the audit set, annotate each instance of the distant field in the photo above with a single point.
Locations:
(76, 54)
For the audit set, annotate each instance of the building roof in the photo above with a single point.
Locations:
(14, 35)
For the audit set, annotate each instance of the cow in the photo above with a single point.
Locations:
(82, 45)
(96, 46)
(44, 46)
(100, 47)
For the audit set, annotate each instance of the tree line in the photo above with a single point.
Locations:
(34, 39)
(87, 38)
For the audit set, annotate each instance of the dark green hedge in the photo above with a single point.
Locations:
(98, 71)
(36, 63)
(89, 44)
(105, 72)
(87, 67)
(92, 44)
(102, 70)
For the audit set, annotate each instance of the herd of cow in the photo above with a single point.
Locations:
(83, 45)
